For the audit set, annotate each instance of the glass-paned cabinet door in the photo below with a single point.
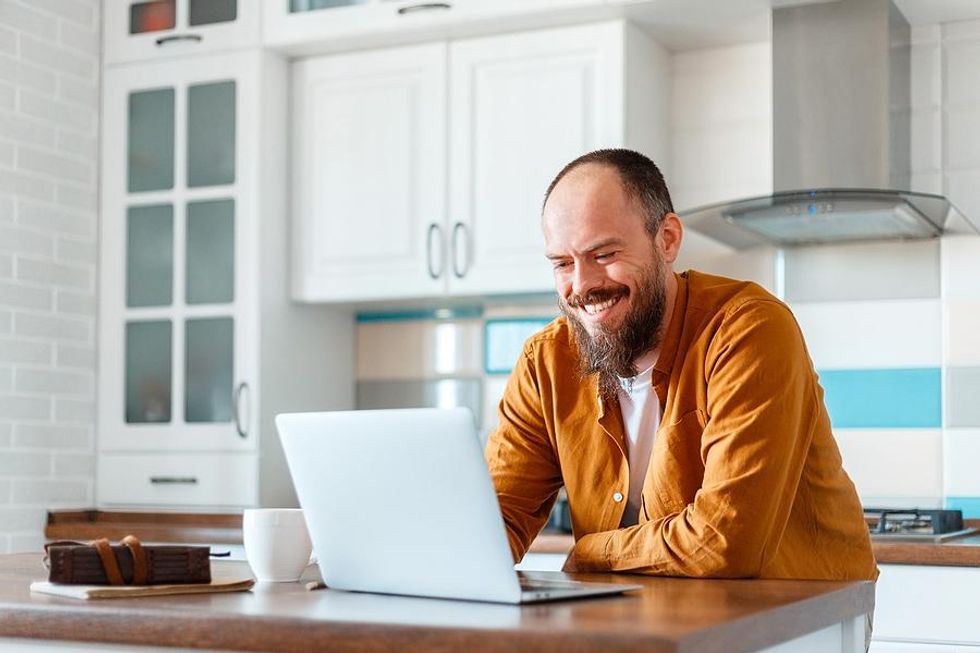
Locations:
(147, 29)
(174, 310)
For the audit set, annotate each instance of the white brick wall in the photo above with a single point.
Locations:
(49, 109)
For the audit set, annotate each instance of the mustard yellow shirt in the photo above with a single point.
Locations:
(745, 478)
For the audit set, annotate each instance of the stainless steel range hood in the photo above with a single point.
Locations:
(841, 133)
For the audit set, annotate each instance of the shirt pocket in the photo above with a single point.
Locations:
(676, 470)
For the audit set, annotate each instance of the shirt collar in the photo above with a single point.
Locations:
(672, 336)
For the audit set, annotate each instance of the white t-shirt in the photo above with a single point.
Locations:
(640, 406)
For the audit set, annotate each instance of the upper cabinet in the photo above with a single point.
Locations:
(419, 171)
(136, 30)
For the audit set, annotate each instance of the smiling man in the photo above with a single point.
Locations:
(681, 412)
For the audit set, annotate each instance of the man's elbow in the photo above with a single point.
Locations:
(727, 560)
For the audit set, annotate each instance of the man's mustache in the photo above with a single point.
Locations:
(596, 296)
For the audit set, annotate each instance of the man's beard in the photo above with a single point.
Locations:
(611, 354)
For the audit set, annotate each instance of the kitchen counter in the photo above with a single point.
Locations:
(667, 614)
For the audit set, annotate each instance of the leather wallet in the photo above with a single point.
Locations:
(126, 563)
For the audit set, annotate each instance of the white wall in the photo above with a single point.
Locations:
(49, 104)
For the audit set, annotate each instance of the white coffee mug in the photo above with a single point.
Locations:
(277, 544)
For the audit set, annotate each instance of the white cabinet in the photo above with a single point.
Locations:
(926, 609)
(199, 345)
(391, 203)
(149, 29)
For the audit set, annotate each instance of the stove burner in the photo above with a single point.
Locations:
(883, 521)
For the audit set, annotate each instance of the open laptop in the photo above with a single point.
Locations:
(401, 502)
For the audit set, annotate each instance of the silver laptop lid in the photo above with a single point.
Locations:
(400, 502)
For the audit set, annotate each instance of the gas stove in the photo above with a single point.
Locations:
(915, 524)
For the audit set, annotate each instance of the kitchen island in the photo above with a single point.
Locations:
(667, 614)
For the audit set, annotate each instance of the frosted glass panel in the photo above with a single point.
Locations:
(148, 371)
(209, 365)
(149, 255)
(211, 252)
(205, 12)
(151, 140)
(211, 134)
(151, 16)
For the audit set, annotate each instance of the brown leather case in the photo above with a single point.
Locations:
(82, 564)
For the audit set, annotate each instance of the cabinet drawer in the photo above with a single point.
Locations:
(204, 480)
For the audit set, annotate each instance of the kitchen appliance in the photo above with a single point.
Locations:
(915, 524)
(841, 137)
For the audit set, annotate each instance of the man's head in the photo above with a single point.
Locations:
(612, 237)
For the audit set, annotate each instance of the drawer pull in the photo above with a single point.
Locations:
(425, 6)
(173, 480)
(179, 38)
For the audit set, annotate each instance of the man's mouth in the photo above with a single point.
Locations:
(598, 307)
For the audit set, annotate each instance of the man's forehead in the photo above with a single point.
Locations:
(589, 182)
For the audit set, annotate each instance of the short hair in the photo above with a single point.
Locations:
(641, 179)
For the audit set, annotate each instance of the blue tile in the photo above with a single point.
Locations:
(969, 505)
(504, 339)
(889, 398)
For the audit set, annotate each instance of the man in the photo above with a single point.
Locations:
(681, 412)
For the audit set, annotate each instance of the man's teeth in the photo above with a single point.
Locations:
(592, 309)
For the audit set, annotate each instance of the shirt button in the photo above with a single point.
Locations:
(618, 497)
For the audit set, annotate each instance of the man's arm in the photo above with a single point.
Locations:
(522, 462)
(760, 398)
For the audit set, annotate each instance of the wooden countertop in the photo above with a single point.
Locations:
(226, 529)
(667, 614)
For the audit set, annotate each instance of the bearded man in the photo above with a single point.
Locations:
(681, 412)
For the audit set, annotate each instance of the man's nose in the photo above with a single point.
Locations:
(586, 279)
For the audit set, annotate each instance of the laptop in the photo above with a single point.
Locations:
(401, 502)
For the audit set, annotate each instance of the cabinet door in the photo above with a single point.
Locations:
(369, 174)
(176, 300)
(150, 29)
(523, 105)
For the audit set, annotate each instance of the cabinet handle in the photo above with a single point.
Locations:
(179, 38)
(437, 230)
(425, 6)
(460, 228)
(236, 406)
(173, 480)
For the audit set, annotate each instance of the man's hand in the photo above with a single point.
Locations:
(571, 564)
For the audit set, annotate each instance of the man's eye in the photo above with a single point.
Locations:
(560, 265)
(604, 256)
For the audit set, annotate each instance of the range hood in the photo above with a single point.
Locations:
(841, 134)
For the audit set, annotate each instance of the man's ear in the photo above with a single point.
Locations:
(669, 237)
